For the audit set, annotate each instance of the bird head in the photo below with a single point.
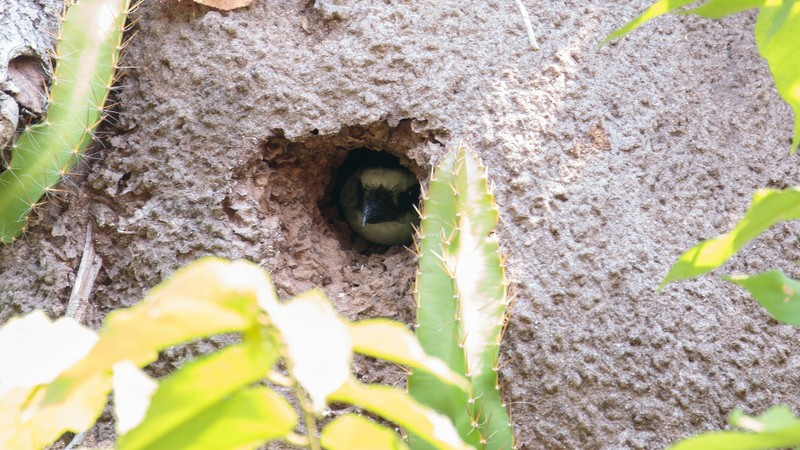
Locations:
(386, 194)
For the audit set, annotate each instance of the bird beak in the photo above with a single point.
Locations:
(366, 213)
(377, 207)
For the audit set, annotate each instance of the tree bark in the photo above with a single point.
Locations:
(27, 34)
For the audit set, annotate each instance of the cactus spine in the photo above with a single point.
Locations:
(86, 57)
(461, 297)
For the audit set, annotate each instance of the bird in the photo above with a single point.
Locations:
(378, 201)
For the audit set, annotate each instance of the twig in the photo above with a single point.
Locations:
(84, 280)
(79, 298)
(528, 27)
(77, 440)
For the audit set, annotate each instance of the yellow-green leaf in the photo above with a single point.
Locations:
(767, 208)
(392, 341)
(399, 407)
(657, 9)
(53, 411)
(776, 428)
(777, 293)
(353, 432)
(189, 394)
(208, 297)
(712, 9)
(225, 5)
(33, 351)
(320, 349)
(778, 39)
(132, 392)
(715, 9)
(243, 420)
(777, 36)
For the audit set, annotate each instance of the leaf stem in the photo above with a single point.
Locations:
(308, 416)
(296, 439)
(311, 438)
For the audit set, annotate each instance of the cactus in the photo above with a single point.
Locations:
(461, 296)
(87, 52)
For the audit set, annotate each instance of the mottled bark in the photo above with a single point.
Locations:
(27, 33)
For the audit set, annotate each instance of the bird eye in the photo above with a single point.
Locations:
(408, 198)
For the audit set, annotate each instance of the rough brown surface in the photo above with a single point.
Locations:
(608, 163)
(26, 31)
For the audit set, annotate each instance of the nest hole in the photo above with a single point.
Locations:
(319, 166)
(302, 238)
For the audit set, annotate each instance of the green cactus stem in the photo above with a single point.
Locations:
(86, 58)
(461, 297)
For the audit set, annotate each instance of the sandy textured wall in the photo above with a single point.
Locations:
(608, 163)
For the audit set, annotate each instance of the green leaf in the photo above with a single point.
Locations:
(777, 293)
(392, 341)
(353, 432)
(776, 418)
(767, 208)
(778, 39)
(712, 9)
(397, 406)
(244, 420)
(657, 9)
(715, 9)
(198, 391)
(776, 428)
